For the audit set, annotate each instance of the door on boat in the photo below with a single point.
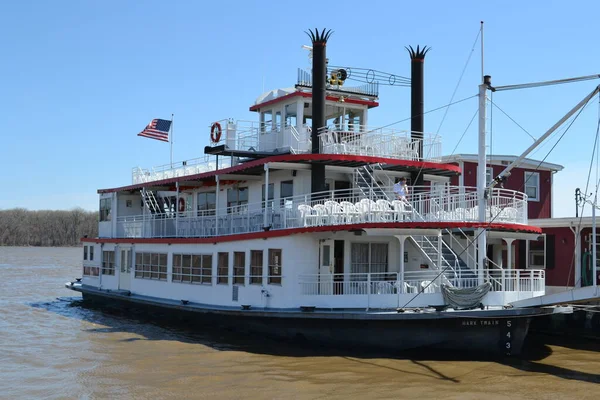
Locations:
(326, 277)
(125, 269)
(338, 267)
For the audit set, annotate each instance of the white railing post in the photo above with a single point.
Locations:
(531, 281)
(368, 290)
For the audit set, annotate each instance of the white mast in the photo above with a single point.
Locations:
(481, 183)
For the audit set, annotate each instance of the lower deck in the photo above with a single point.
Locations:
(369, 269)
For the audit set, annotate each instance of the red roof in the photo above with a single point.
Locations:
(291, 158)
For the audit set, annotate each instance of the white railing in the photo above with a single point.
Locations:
(238, 135)
(413, 282)
(339, 207)
(380, 142)
(180, 168)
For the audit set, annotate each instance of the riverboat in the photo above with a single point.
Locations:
(291, 225)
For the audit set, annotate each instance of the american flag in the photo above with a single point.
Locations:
(157, 129)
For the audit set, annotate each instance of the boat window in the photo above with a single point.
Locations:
(290, 115)
(105, 209)
(85, 252)
(271, 192)
(266, 119)
(236, 198)
(256, 266)
(206, 203)
(223, 268)
(239, 267)
(275, 266)
(277, 126)
(368, 258)
(532, 185)
(108, 263)
(286, 191)
(151, 266)
(192, 268)
(91, 271)
(91, 253)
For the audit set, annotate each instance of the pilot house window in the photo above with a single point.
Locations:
(105, 205)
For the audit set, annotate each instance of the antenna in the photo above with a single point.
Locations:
(482, 72)
(310, 51)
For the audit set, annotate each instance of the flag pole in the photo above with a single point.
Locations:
(171, 140)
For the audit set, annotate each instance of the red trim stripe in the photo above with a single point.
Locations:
(313, 229)
(368, 103)
(291, 158)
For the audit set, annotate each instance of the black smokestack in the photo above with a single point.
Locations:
(319, 75)
(417, 58)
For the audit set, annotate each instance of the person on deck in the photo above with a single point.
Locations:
(401, 189)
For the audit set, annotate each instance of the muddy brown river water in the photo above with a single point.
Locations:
(52, 347)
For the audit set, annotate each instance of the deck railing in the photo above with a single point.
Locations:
(279, 138)
(413, 282)
(379, 142)
(180, 168)
(339, 207)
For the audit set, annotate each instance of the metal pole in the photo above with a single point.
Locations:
(481, 183)
(482, 52)
(594, 267)
(266, 196)
(217, 206)
(143, 211)
(171, 139)
(177, 211)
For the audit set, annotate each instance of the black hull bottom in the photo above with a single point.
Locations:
(579, 324)
(475, 335)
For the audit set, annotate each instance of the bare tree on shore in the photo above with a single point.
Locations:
(22, 227)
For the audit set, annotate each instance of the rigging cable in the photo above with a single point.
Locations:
(492, 219)
(516, 123)
(465, 131)
(420, 171)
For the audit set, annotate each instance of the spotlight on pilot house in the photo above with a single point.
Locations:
(338, 76)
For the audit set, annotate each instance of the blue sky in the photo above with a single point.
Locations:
(81, 79)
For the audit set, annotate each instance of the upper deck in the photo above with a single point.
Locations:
(256, 140)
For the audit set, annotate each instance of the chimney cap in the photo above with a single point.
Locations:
(319, 37)
(418, 53)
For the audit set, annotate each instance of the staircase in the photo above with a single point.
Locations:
(452, 265)
(150, 202)
(364, 180)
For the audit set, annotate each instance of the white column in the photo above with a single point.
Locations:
(594, 255)
(143, 211)
(177, 210)
(481, 184)
(265, 211)
(365, 121)
(439, 249)
(401, 239)
(217, 206)
(509, 243)
(577, 244)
